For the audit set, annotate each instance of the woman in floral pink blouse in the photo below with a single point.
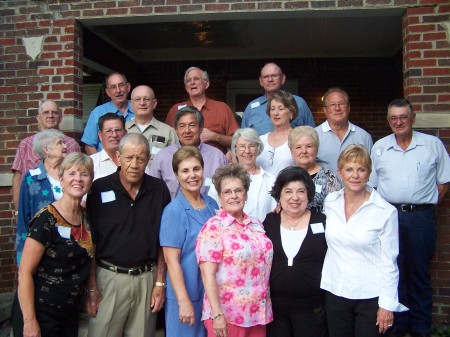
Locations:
(235, 258)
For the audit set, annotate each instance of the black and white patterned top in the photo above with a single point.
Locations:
(326, 182)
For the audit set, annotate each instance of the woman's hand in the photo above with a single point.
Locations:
(385, 319)
(220, 326)
(93, 299)
(31, 328)
(186, 312)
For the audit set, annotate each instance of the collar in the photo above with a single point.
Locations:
(207, 105)
(374, 198)
(417, 140)
(146, 184)
(104, 156)
(326, 127)
(112, 106)
(42, 175)
(228, 220)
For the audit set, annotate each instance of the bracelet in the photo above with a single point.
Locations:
(90, 290)
(217, 316)
(160, 284)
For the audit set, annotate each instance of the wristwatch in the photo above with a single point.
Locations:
(160, 284)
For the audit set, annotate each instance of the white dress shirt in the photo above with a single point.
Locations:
(103, 164)
(361, 261)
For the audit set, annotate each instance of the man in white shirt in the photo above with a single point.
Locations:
(112, 129)
(411, 170)
(336, 133)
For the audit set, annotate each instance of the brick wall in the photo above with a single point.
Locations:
(57, 74)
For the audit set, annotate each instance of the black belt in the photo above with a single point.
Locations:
(130, 271)
(412, 207)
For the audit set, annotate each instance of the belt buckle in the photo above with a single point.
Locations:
(407, 207)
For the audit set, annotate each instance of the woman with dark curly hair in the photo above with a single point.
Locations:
(298, 237)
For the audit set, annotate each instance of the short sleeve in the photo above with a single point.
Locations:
(174, 224)
(209, 246)
(42, 229)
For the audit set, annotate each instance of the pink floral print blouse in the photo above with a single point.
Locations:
(244, 255)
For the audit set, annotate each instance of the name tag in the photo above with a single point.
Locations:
(378, 152)
(317, 228)
(318, 188)
(35, 172)
(255, 105)
(64, 232)
(182, 106)
(208, 181)
(108, 196)
(154, 150)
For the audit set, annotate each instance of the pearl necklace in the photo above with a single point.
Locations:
(291, 227)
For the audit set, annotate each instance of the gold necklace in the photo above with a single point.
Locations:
(291, 227)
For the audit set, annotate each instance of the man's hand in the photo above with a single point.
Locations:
(93, 299)
(207, 136)
(157, 300)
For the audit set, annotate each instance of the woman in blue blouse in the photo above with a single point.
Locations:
(181, 222)
(40, 186)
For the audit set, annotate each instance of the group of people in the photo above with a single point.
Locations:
(297, 230)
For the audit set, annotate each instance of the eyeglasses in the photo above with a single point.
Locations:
(139, 99)
(118, 86)
(229, 193)
(271, 77)
(250, 147)
(402, 118)
(193, 79)
(333, 106)
(48, 113)
(187, 126)
(271, 156)
(109, 132)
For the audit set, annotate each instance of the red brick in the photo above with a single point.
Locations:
(7, 42)
(105, 4)
(93, 12)
(54, 95)
(217, 7)
(117, 11)
(165, 9)
(421, 63)
(434, 36)
(419, 45)
(55, 47)
(420, 10)
(443, 98)
(421, 28)
(436, 71)
(436, 53)
(46, 71)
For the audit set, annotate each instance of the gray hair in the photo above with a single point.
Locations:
(45, 139)
(189, 110)
(303, 131)
(230, 171)
(205, 75)
(250, 135)
(135, 139)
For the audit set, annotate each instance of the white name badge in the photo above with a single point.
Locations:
(182, 106)
(318, 188)
(317, 228)
(64, 232)
(208, 181)
(155, 150)
(35, 172)
(378, 152)
(108, 196)
(255, 105)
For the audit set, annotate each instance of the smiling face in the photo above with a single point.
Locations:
(190, 176)
(271, 78)
(401, 121)
(279, 113)
(337, 108)
(304, 152)
(233, 196)
(117, 89)
(246, 152)
(133, 161)
(57, 150)
(294, 199)
(354, 176)
(188, 130)
(76, 181)
(49, 116)
(195, 84)
(111, 135)
(143, 102)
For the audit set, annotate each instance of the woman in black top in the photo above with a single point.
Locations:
(298, 237)
(56, 259)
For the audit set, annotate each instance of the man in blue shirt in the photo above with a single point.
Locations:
(117, 89)
(255, 114)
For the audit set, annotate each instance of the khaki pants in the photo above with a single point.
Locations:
(125, 307)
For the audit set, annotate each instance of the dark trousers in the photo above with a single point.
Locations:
(53, 322)
(417, 246)
(291, 320)
(351, 318)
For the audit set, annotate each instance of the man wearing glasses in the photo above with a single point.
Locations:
(336, 133)
(411, 170)
(220, 123)
(255, 114)
(117, 89)
(49, 117)
(112, 130)
(158, 134)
